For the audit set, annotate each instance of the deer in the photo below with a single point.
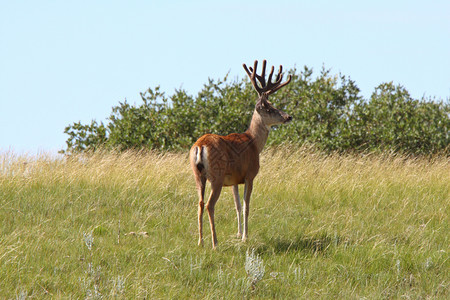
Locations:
(234, 159)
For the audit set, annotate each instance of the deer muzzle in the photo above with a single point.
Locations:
(287, 118)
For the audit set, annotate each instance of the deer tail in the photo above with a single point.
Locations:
(200, 158)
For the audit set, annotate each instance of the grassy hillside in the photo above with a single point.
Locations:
(124, 225)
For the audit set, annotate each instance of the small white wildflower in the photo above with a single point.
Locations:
(397, 265)
(254, 267)
(428, 263)
(277, 275)
(119, 285)
(22, 294)
(88, 240)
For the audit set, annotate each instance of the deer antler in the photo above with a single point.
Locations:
(270, 87)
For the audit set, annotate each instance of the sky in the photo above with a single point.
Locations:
(67, 61)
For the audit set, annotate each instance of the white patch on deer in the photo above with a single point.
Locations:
(198, 152)
(204, 157)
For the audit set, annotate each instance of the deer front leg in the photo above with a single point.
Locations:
(247, 192)
(237, 203)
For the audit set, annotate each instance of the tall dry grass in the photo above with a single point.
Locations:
(124, 225)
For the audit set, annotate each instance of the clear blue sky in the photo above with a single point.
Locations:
(68, 61)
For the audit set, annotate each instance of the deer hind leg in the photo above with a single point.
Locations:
(237, 203)
(247, 192)
(215, 193)
(201, 184)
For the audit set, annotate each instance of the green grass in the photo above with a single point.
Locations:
(373, 227)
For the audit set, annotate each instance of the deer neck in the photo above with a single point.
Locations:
(258, 131)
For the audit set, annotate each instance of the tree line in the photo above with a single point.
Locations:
(328, 112)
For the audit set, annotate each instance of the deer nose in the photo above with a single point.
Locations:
(288, 119)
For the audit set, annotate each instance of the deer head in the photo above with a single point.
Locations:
(269, 114)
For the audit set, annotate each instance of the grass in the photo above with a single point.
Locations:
(124, 226)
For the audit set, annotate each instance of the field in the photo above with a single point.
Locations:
(124, 226)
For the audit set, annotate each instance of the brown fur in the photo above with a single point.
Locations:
(231, 158)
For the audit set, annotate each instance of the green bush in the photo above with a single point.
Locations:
(328, 112)
(395, 121)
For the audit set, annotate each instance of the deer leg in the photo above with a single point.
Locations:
(215, 193)
(201, 184)
(247, 192)
(237, 203)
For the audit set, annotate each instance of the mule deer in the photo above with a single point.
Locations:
(234, 159)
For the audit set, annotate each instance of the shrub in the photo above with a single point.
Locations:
(393, 120)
